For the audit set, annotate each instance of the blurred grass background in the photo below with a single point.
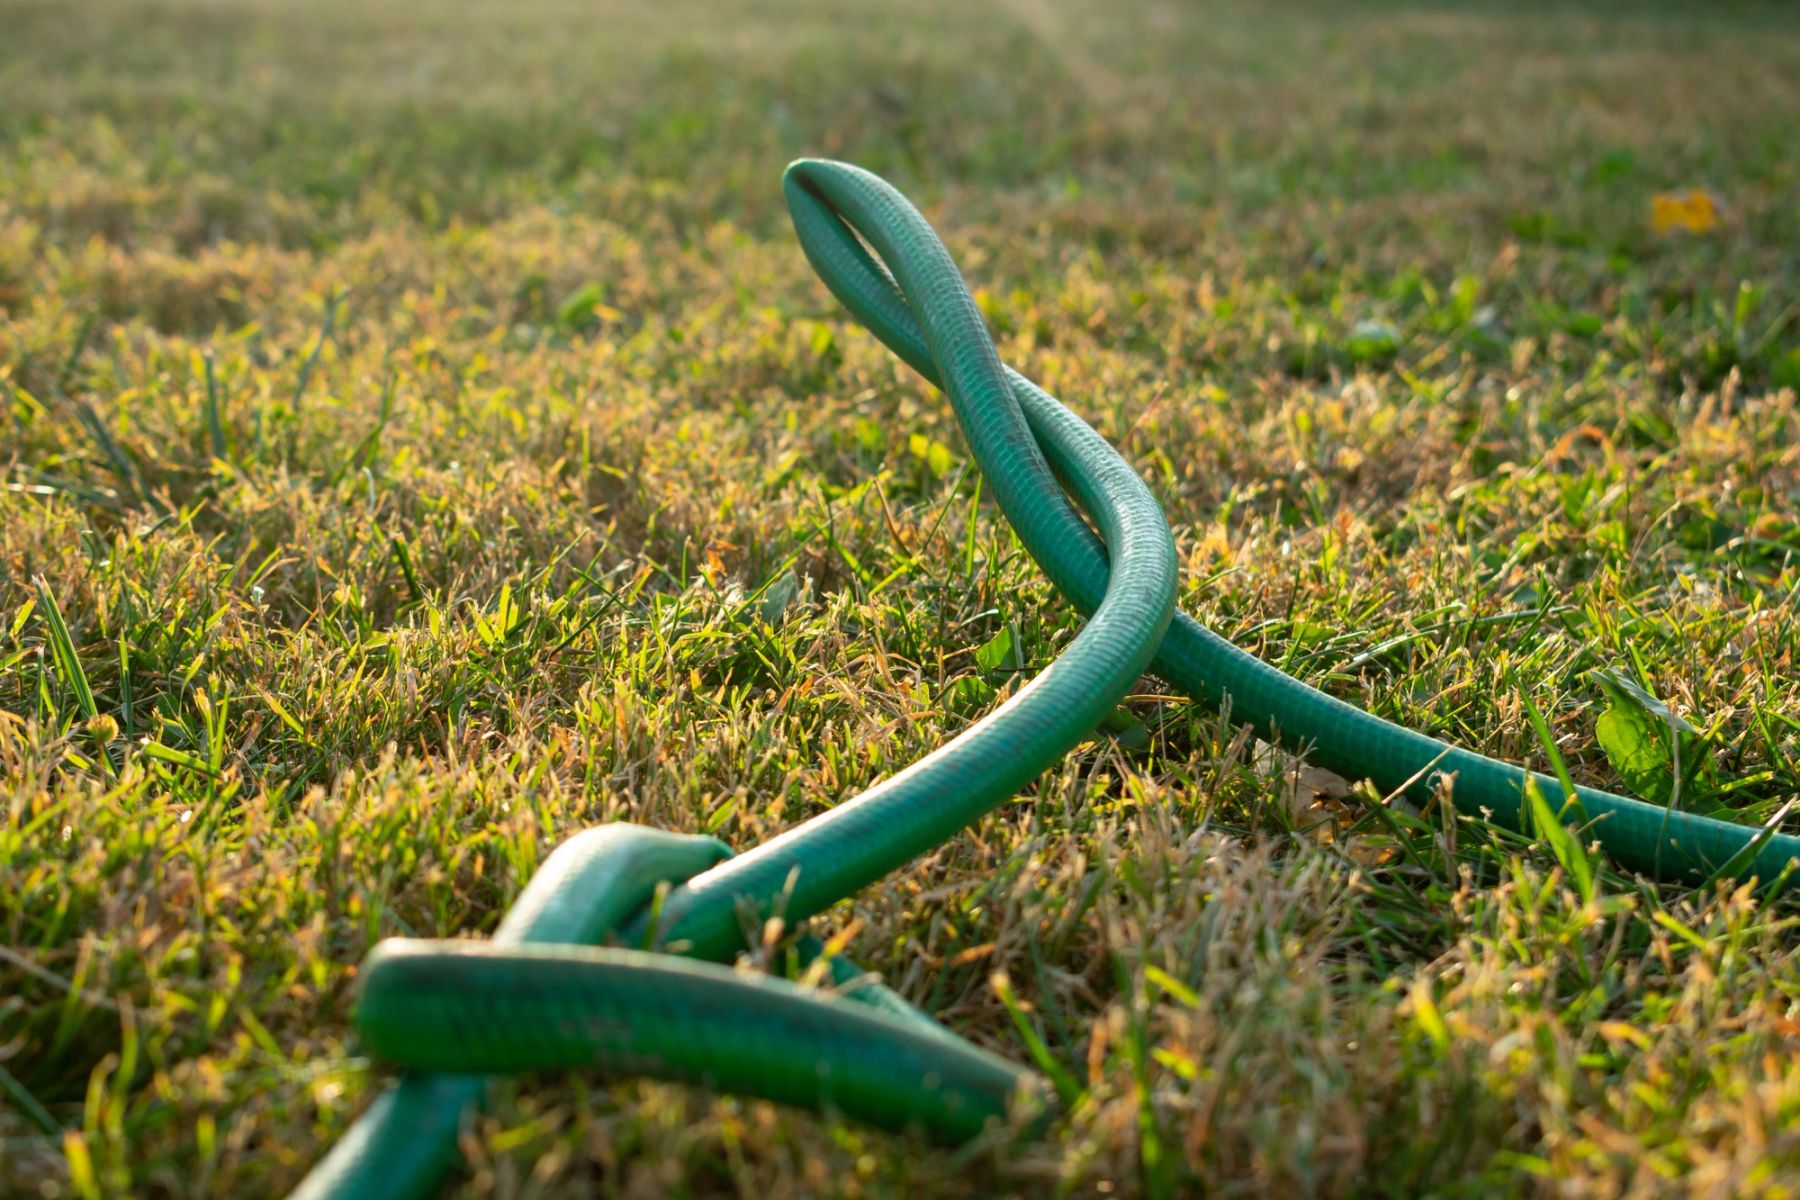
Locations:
(434, 443)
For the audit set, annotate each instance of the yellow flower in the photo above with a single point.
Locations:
(1694, 210)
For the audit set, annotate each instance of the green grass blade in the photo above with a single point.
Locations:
(62, 649)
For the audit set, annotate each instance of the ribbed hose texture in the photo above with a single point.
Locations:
(840, 851)
(450, 1008)
(1338, 736)
(534, 999)
(406, 1139)
(477, 1006)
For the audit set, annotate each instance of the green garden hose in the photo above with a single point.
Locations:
(402, 1144)
(536, 997)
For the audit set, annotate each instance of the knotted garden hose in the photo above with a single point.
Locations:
(536, 997)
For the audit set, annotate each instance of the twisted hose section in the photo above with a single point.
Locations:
(406, 1139)
(1658, 841)
(624, 1012)
(450, 1008)
(829, 857)
(535, 998)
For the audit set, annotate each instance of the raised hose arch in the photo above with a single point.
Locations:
(542, 994)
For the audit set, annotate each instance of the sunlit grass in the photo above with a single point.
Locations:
(423, 439)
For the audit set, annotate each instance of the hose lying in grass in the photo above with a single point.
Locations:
(519, 1004)
(537, 996)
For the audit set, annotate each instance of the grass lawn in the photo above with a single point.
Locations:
(434, 443)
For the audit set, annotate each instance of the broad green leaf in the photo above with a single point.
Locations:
(777, 596)
(1622, 686)
(937, 457)
(579, 305)
(1372, 342)
(968, 693)
(1126, 729)
(1001, 652)
(1639, 749)
(1641, 737)
(1310, 633)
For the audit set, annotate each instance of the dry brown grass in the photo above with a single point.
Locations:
(1578, 452)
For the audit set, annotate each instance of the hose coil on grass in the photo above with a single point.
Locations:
(541, 994)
